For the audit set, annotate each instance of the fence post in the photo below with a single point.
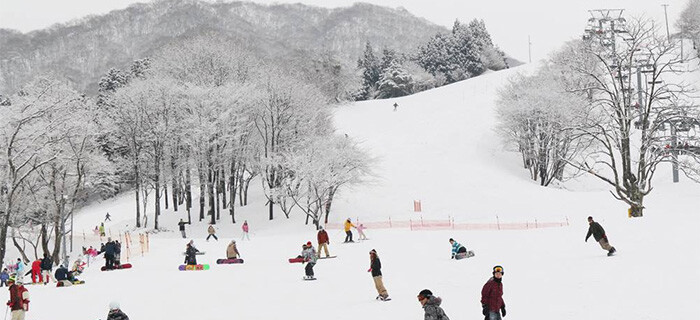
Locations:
(536, 224)
(421, 221)
(498, 223)
(410, 224)
(389, 222)
(567, 220)
(148, 244)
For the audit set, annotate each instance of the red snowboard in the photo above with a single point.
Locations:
(295, 260)
(121, 266)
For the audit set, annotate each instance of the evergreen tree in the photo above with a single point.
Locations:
(371, 71)
(395, 82)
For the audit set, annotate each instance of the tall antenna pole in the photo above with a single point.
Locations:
(668, 34)
(529, 49)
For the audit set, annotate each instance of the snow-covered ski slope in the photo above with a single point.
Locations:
(438, 147)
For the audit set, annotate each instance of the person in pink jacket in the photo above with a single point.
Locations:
(245, 230)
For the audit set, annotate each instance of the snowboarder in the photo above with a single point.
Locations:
(3, 277)
(375, 267)
(396, 105)
(323, 241)
(348, 233)
(361, 233)
(46, 266)
(598, 233)
(232, 251)
(110, 250)
(182, 228)
(191, 254)
(36, 271)
(492, 296)
(115, 313)
(457, 248)
(245, 230)
(431, 306)
(309, 255)
(212, 233)
(20, 270)
(19, 299)
(107, 217)
(102, 229)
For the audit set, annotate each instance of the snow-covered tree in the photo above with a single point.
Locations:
(394, 82)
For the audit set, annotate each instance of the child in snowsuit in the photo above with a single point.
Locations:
(309, 255)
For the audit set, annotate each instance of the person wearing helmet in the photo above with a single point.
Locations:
(348, 233)
(323, 241)
(309, 255)
(232, 251)
(115, 313)
(492, 296)
(19, 299)
(431, 306)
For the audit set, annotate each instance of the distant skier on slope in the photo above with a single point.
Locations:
(431, 306)
(375, 267)
(309, 255)
(245, 229)
(182, 224)
(361, 232)
(599, 235)
(348, 234)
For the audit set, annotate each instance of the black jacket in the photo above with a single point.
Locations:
(116, 314)
(596, 230)
(182, 225)
(46, 263)
(376, 267)
(61, 274)
(110, 248)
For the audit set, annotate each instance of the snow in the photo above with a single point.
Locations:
(438, 147)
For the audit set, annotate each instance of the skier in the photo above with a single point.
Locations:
(492, 296)
(348, 233)
(182, 228)
(361, 233)
(245, 230)
(36, 271)
(323, 241)
(102, 229)
(20, 270)
(599, 235)
(3, 277)
(46, 266)
(19, 299)
(309, 255)
(212, 233)
(457, 248)
(191, 254)
(375, 268)
(232, 251)
(61, 275)
(107, 217)
(431, 306)
(115, 313)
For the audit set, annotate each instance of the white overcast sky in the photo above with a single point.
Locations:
(549, 23)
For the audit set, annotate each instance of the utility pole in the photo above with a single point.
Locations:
(668, 34)
(529, 49)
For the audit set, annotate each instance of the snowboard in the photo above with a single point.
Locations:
(612, 253)
(382, 299)
(464, 255)
(60, 283)
(121, 266)
(196, 253)
(228, 261)
(308, 279)
(295, 260)
(190, 267)
(331, 257)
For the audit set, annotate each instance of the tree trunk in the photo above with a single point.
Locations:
(44, 239)
(232, 190)
(217, 186)
(271, 206)
(21, 250)
(165, 194)
(157, 187)
(137, 179)
(174, 183)
(188, 194)
(245, 190)
(222, 187)
(202, 191)
(210, 189)
(331, 193)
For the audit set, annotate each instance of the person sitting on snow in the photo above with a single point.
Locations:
(232, 251)
(115, 313)
(61, 275)
(78, 266)
(457, 248)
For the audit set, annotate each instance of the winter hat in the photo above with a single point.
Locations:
(498, 269)
(452, 239)
(308, 244)
(425, 293)
(320, 227)
(12, 278)
(373, 251)
(113, 305)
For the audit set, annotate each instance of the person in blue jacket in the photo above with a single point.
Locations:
(457, 248)
(3, 277)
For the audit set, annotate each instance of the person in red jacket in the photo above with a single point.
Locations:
(492, 296)
(36, 271)
(19, 299)
(323, 241)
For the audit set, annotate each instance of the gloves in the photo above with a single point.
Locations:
(484, 310)
(369, 270)
(9, 303)
(503, 311)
